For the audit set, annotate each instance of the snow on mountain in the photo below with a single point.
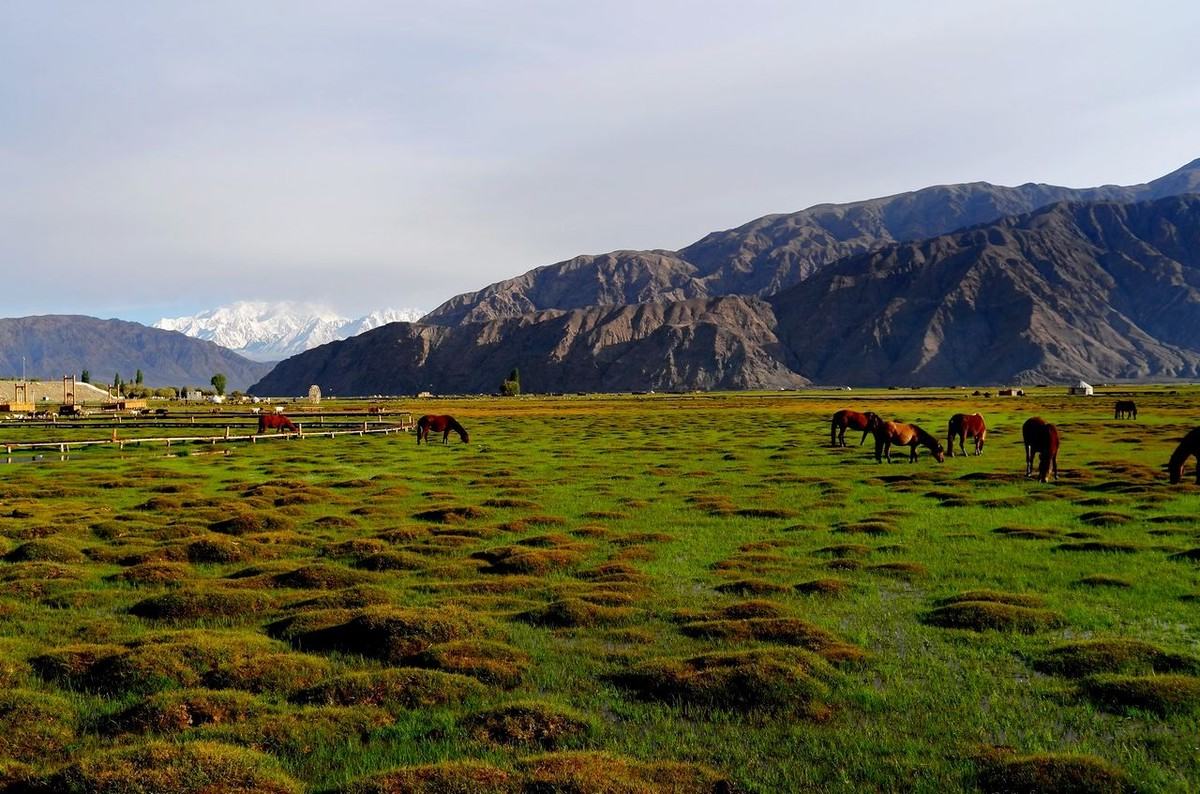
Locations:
(273, 331)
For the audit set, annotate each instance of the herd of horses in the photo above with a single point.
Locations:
(437, 423)
(1040, 437)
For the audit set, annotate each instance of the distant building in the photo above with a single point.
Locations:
(194, 396)
(1011, 393)
(1081, 389)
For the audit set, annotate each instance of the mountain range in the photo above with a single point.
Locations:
(56, 345)
(264, 331)
(1100, 283)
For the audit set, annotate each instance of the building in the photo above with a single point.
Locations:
(314, 394)
(1081, 389)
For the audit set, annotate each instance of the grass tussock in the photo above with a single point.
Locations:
(392, 634)
(206, 604)
(155, 573)
(744, 587)
(33, 724)
(1005, 773)
(180, 709)
(995, 597)
(828, 586)
(607, 773)
(1165, 694)
(494, 663)
(578, 613)
(1105, 580)
(531, 561)
(447, 777)
(1103, 546)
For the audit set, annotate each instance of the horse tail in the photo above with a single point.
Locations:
(1049, 454)
(422, 428)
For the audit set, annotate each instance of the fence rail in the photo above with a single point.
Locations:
(228, 437)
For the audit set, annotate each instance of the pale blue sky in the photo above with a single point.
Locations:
(162, 158)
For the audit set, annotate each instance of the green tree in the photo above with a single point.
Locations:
(138, 378)
(218, 383)
(85, 376)
(512, 385)
(117, 381)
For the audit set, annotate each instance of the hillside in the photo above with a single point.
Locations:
(1097, 291)
(723, 343)
(1094, 290)
(773, 253)
(54, 345)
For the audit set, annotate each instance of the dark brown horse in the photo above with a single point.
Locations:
(903, 435)
(1126, 409)
(846, 418)
(1188, 447)
(1041, 438)
(962, 427)
(275, 422)
(440, 424)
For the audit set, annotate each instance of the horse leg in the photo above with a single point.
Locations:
(878, 449)
(887, 450)
(446, 436)
(833, 442)
(912, 454)
(866, 433)
(961, 444)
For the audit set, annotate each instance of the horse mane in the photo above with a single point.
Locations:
(453, 424)
(1190, 445)
(927, 439)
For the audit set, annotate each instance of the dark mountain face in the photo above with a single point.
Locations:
(723, 343)
(57, 345)
(776, 252)
(1097, 291)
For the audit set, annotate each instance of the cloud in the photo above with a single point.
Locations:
(398, 153)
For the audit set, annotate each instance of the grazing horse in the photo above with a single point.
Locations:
(440, 424)
(1126, 409)
(903, 435)
(845, 418)
(275, 422)
(1188, 447)
(962, 427)
(1041, 438)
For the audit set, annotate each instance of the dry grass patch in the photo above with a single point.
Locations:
(459, 514)
(396, 688)
(248, 523)
(392, 634)
(527, 560)
(34, 725)
(202, 604)
(177, 710)
(830, 586)
(606, 773)
(745, 587)
(447, 777)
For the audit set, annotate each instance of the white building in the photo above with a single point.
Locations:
(1081, 389)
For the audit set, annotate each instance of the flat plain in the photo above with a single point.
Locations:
(610, 594)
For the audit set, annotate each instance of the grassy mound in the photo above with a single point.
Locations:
(392, 561)
(34, 724)
(154, 573)
(389, 633)
(180, 605)
(830, 586)
(268, 672)
(1104, 580)
(451, 515)
(44, 551)
(606, 773)
(355, 597)
(448, 777)
(1051, 772)
(750, 587)
(995, 597)
(529, 723)
(992, 616)
(577, 613)
(769, 680)
(529, 560)
(177, 710)
(321, 576)
(899, 570)
(1191, 555)
(199, 767)
(250, 523)
(394, 688)
(1170, 693)
(493, 663)
(1108, 546)
(217, 549)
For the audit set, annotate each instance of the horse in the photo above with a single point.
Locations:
(1188, 447)
(905, 435)
(964, 426)
(275, 422)
(845, 418)
(1041, 438)
(1126, 409)
(440, 424)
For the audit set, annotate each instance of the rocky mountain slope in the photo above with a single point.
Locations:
(272, 331)
(1095, 290)
(773, 253)
(720, 343)
(56, 345)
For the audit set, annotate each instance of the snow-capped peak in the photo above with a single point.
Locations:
(272, 331)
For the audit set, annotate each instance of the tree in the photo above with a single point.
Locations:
(512, 385)
(218, 383)
(138, 378)
(117, 381)
(85, 376)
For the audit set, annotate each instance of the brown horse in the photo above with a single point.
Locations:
(1188, 447)
(275, 422)
(440, 424)
(845, 418)
(904, 435)
(1041, 438)
(962, 427)
(1126, 409)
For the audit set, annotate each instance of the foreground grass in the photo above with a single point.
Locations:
(602, 592)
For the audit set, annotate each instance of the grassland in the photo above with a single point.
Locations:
(676, 593)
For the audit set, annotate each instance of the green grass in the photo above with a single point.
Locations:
(694, 586)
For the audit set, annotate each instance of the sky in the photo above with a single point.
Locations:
(160, 159)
